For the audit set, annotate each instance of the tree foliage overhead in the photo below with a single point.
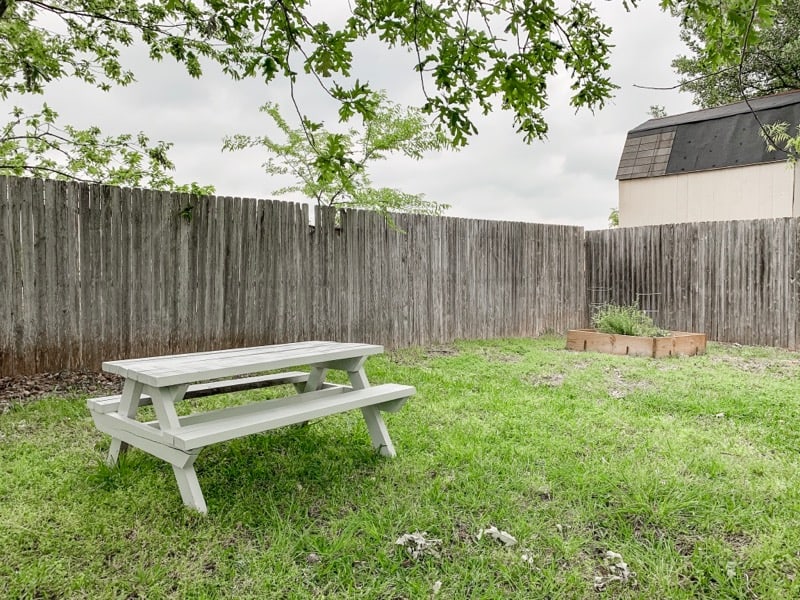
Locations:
(45, 41)
(332, 168)
(33, 143)
(468, 54)
(768, 66)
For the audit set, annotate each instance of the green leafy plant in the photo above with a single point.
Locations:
(768, 65)
(332, 168)
(471, 58)
(626, 320)
(613, 218)
(779, 139)
(35, 144)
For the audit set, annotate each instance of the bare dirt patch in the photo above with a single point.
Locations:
(784, 368)
(496, 355)
(437, 351)
(550, 380)
(621, 387)
(420, 356)
(738, 541)
(685, 544)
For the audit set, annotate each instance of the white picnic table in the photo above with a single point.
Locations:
(164, 380)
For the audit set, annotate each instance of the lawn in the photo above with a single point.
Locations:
(686, 469)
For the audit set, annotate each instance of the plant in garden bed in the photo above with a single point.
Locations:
(626, 320)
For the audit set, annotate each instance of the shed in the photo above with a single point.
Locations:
(709, 165)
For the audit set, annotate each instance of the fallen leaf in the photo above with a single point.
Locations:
(613, 569)
(417, 544)
(730, 570)
(503, 537)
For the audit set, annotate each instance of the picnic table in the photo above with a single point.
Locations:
(165, 380)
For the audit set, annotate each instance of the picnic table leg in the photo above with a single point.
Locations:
(164, 400)
(315, 379)
(358, 378)
(128, 407)
(189, 485)
(378, 432)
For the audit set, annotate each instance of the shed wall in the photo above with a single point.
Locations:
(765, 191)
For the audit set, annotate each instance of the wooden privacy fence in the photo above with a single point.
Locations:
(92, 273)
(736, 281)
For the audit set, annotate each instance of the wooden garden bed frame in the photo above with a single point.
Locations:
(677, 343)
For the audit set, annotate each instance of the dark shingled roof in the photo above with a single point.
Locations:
(713, 138)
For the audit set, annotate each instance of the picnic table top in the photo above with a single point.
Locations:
(161, 371)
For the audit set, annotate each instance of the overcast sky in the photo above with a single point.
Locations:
(567, 179)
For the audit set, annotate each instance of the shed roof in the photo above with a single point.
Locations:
(713, 138)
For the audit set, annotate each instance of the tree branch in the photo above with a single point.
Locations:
(740, 81)
(101, 17)
(416, 49)
(684, 83)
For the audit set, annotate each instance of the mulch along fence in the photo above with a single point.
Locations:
(91, 273)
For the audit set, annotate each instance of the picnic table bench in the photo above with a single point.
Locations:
(164, 380)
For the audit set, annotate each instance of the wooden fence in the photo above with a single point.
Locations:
(736, 281)
(92, 273)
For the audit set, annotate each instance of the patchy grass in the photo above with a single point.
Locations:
(686, 468)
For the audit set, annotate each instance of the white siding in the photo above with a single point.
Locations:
(764, 191)
(796, 205)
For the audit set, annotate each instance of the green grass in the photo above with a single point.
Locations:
(686, 467)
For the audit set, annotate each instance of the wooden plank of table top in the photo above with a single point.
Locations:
(278, 350)
(187, 368)
(232, 353)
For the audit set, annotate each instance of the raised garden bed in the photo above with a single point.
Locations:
(677, 343)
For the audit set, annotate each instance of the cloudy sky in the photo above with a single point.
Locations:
(567, 179)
